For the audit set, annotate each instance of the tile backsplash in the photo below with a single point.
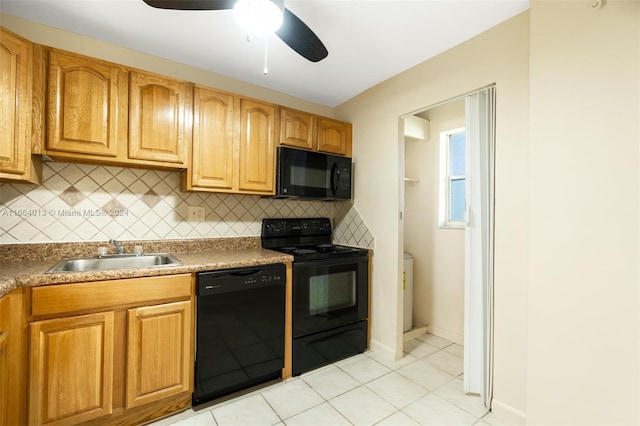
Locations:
(79, 202)
(348, 226)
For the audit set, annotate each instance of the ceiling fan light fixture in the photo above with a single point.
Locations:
(259, 16)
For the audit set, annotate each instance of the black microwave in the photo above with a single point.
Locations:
(312, 175)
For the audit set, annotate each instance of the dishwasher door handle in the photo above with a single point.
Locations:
(245, 273)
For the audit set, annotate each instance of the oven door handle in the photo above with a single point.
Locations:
(331, 336)
(330, 262)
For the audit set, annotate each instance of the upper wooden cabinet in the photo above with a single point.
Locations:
(334, 137)
(297, 129)
(19, 85)
(158, 108)
(257, 147)
(307, 131)
(87, 107)
(214, 154)
(233, 144)
(102, 112)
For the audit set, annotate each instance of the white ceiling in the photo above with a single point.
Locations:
(368, 41)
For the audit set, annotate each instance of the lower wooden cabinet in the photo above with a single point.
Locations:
(5, 310)
(12, 364)
(109, 352)
(158, 355)
(71, 371)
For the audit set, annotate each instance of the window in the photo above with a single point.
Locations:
(452, 178)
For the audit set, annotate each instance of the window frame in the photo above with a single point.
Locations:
(444, 201)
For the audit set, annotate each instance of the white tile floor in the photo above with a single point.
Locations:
(424, 388)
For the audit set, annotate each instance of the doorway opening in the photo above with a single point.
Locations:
(447, 232)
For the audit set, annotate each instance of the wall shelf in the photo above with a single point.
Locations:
(416, 128)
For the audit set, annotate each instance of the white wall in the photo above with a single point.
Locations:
(583, 336)
(438, 252)
(567, 224)
(498, 56)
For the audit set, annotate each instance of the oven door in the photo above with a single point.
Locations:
(329, 293)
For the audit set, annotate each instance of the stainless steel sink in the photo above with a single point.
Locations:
(116, 261)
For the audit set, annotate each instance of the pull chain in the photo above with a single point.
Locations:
(266, 70)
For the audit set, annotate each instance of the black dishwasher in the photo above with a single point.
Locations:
(239, 329)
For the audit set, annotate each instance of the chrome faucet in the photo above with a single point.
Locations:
(117, 246)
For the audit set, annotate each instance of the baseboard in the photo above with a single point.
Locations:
(508, 413)
(455, 338)
(416, 331)
(385, 351)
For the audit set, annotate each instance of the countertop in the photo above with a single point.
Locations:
(24, 265)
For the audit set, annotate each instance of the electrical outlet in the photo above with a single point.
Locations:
(195, 214)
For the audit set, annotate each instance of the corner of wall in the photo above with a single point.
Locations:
(508, 413)
(384, 351)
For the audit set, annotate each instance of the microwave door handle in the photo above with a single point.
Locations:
(334, 178)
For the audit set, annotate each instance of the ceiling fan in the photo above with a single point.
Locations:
(295, 33)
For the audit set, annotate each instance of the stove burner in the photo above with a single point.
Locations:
(328, 245)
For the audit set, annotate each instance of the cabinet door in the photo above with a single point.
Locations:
(213, 161)
(159, 352)
(5, 318)
(13, 389)
(15, 114)
(296, 129)
(257, 149)
(71, 371)
(87, 106)
(334, 137)
(4, 378)
(157, 108)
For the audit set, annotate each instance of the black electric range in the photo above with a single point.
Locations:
(330, 291)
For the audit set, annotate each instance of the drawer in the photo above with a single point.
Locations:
(79, 297)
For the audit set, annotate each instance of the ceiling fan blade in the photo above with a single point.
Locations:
(192, 4)
(298, 36)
